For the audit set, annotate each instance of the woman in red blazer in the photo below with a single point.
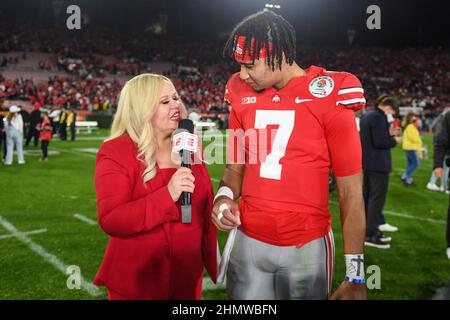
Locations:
(151, 254)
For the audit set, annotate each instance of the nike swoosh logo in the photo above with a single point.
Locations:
(298, 100)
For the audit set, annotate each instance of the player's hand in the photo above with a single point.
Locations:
(230, 217)
(439, 172)
(350, 291)
(398, 140)
(181, 181)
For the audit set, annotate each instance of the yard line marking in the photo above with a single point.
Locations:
(91, 138)
(405, 215)
(85, 219)
(6, 236)
(69, 197)
(86, 150)
(48, 257)
(74, 152)
(215, 180)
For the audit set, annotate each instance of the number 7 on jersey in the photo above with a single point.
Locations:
(271, 167)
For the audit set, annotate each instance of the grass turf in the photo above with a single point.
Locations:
(46, 195)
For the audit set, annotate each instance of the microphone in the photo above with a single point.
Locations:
(185, 142)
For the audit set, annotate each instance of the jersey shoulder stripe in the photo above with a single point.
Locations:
(351, 93)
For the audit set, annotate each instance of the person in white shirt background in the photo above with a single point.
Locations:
(14, 135)
(54, 115)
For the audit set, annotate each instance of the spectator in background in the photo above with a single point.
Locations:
(441, 148)
(412, 145)
(63, 124)
(55, 116)
(26, 119)
(14, 135)
(194, 116)
(377, 140)
(33, 129)
(46, 133)
(3, 114)
(437, 126)
(71, 122)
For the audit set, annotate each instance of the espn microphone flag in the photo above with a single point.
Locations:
(185, 143)
(183, 140)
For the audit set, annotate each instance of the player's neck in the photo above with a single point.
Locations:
(289, 72)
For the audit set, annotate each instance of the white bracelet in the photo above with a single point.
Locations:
(224, 191)
(354, 265)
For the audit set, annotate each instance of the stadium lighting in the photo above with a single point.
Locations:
(272, 6)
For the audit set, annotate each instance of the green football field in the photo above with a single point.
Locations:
(48, 224)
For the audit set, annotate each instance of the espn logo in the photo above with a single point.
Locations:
(178, 141)
(190, 142)
(185, 141)
(248, 100)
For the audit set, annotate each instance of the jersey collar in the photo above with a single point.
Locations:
(311, 72)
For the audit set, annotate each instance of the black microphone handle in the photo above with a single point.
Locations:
(186, 163)
(186, 196)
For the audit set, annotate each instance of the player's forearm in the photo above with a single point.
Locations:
(353, 219)
(232, 178)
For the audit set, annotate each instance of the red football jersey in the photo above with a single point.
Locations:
(293, 136)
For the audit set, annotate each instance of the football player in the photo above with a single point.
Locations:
(288, 127)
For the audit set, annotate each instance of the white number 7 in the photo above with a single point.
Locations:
(271, 167)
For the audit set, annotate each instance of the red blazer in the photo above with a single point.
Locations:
(151, 254)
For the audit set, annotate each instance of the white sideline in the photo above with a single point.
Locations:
(85, 219)
(404, 215)
(48, 257)
(6, 236)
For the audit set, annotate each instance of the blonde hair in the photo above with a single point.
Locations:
(138, 102)
(408, 119)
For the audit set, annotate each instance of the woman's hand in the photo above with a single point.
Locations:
(181, 181)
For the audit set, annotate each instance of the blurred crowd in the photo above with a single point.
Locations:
(70, 91)
(418, 77)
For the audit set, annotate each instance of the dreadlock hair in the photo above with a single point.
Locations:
(265, 27)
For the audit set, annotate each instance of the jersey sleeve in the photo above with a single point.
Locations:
(227, 95)
(229, 92)
(351, 93)
(344, 143)
(235, 133)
